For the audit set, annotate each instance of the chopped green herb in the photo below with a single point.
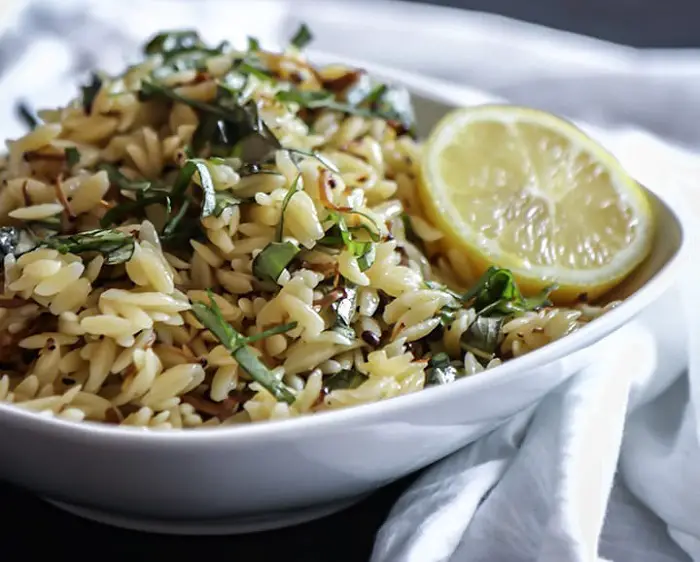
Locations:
(281, 329)
(116, 246)
(295, 152)
(302, 37)
(90, 92)
(224, 124)
(171, 226)
(410, 234)
(124, 210)
(27, 115)
(169, 41)
(483, 337)
(440, 287)
(184, 178)
(224, 200)
(390, 103)
(279, 231)
(446, 316)
(496, 292)
(341, 235)
(210, 316)
(251, 65)
(121, 181)
(269, 264)
(345, 308)
(366, 260)
(344, 380)
(253, 45)
(72, 156)
(441, 370)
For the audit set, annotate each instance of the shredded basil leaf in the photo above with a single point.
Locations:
(483, 337)
(446, 316)
(279, 231)
(281, 329)
(345, 310)
(253, 45)
(210, 316)
(121, 181)
(72, 156)
(27, 115)
(440, 287)
(274, 258)
(441, 370)
(366, 260)
(224, 200)
(302, 37)
(389, 103)
(171, 226)
(496, 292)
(392, 103)
(169, 41)
(184, 178)
(344, 380)
(116, 246)
(341, 235)
(90, 92)
(124, 210)
(225, 124)
(295, 152)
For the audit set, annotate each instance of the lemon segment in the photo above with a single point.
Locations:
(526, 190)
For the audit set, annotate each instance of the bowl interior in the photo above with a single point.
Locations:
(432, 100)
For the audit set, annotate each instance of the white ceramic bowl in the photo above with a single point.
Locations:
(273, 474)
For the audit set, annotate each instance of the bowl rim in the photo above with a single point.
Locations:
(280, 429)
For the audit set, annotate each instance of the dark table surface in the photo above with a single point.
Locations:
(31, 525)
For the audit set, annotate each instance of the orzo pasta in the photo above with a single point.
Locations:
(220, 236)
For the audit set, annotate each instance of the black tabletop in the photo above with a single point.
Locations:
(31, 526)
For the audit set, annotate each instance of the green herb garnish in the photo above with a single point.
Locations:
(345, 310)
(302, 37)
(295, 153)
(224, 200)
(173, 222)
(253, 45)
(390, 104)
(72, 156)
(496, 292)
(295, 187)
(344, 380)
(116, 246)
(119, 213)
(274, 258)
(341, 235)
(169, 41)
(225, 124)
(184, 178)
(121, 181)
(483, 337)
(90, 92)
(212, 319)
(441, 370)
(27, 115)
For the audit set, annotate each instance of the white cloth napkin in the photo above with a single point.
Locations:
(606, 467)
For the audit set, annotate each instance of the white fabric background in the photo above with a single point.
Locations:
(544, 487)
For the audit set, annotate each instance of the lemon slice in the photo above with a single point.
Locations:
(523, 189)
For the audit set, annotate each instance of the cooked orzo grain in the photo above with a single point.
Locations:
(220, 236)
